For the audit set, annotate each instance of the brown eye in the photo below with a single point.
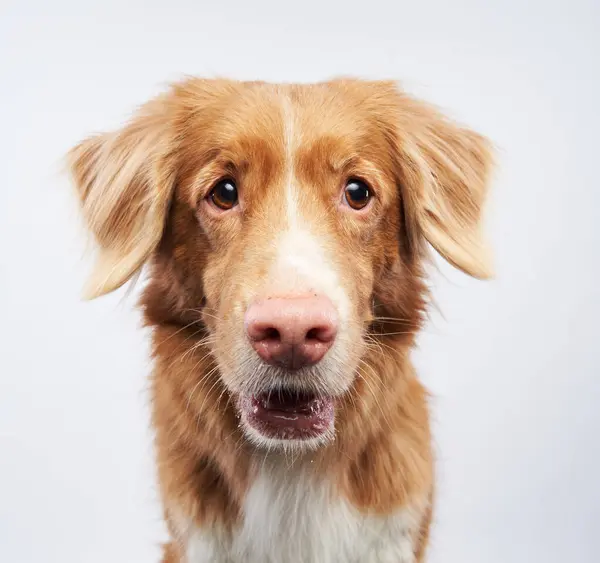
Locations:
(224, 195)
(357, 194)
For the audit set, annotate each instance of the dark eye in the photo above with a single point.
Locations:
(224, 195)
(357, 194)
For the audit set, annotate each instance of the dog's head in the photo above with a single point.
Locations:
(285, 215)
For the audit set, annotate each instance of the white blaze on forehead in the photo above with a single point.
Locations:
(291, 193)
(301, 262)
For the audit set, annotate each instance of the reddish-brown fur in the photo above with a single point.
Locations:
(142, 191)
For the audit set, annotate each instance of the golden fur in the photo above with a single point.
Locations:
(142, 191)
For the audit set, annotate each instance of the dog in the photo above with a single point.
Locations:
(286, 231)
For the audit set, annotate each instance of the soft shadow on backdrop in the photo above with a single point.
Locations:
(512, 364)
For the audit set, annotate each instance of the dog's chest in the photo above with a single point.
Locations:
(292, 519)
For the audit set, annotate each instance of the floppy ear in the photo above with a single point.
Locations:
(124, 181)
(445, 173)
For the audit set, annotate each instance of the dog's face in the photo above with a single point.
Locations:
(284, 216)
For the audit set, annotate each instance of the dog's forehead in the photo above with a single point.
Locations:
(263, 111)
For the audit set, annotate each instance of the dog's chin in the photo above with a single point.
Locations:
(287, 420)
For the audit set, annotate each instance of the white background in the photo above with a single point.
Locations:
(513, 365)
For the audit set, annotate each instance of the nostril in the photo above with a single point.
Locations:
(271, 334)
(259, 332)
(313, 334)
(320, 334)
(324, 334)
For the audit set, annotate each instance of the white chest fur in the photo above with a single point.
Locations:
(290, 518)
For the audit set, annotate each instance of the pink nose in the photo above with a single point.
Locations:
(292, 332)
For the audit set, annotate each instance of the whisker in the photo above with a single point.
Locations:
(374, 395)
(392, 333)
(178, 331)
(398, 320)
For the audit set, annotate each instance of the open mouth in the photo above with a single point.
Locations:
(288, 415)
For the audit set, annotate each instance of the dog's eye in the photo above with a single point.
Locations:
(224, 195)
(357, 194)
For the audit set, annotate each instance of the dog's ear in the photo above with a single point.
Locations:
(125, 180)
(444, 176)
